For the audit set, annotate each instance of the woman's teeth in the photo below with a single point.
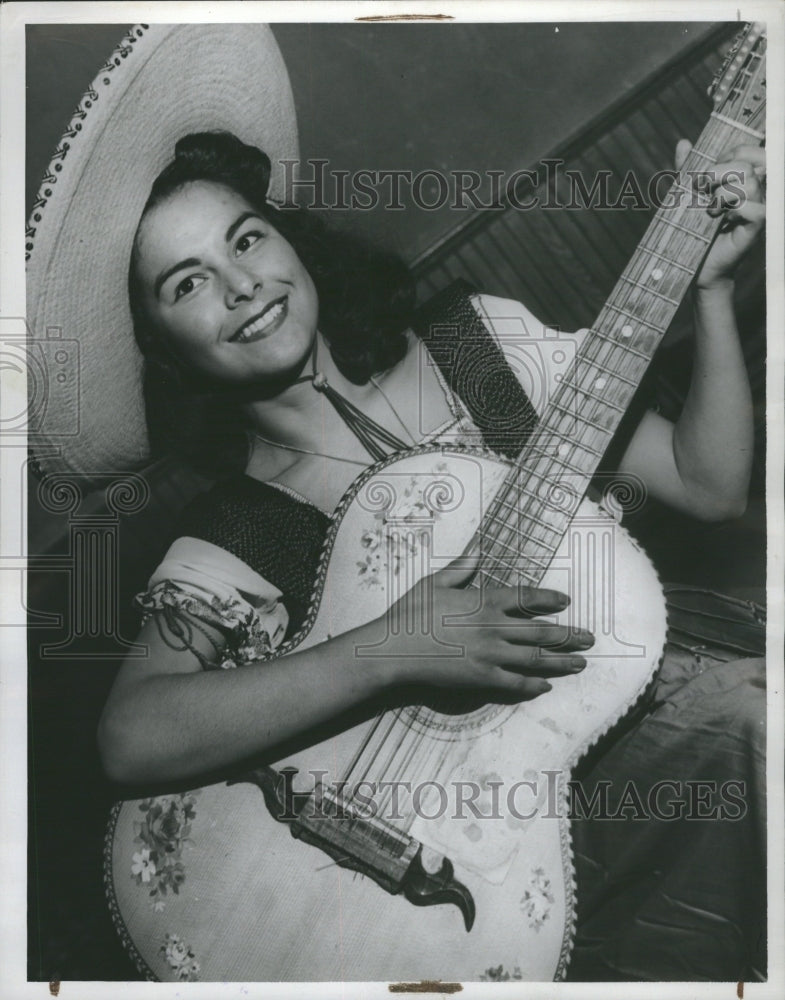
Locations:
(260, 325)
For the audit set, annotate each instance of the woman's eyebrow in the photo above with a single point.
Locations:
(193, 261)
(165, 275)
(238, 222)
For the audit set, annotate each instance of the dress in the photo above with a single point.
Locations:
(679, 897)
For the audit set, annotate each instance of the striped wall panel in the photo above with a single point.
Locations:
(563, 263)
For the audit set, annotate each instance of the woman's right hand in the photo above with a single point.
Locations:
(446, 634)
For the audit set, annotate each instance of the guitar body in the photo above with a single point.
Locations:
(230, 894)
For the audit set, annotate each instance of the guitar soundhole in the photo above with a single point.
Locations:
(456, 715)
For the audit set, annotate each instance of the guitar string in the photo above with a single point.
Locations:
(641, 261)
(610, 348)
(662, 231)
(603, 352)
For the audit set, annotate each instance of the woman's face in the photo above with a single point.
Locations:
(225, 289)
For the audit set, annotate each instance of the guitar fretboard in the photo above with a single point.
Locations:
(532, 511)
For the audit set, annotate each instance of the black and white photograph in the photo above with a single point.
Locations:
(392, 461)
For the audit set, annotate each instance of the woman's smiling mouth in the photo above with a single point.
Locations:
(264, 324)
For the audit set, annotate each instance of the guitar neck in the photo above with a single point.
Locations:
(555, 468)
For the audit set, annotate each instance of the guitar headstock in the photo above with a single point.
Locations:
(739, 88)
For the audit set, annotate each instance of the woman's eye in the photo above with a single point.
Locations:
(186, 286)
(246, 241)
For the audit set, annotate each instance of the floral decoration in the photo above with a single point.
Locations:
(162, 833)
(181, 959)
(391, 536)
(537, 900)
(498, 974)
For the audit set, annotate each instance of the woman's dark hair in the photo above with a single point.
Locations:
(366, 300)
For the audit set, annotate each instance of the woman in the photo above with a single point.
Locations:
(242, 311)
(228, 311)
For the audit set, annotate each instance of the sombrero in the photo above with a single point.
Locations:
(85, 406)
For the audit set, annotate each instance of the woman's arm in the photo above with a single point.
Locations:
(701, 465)
(166, 718)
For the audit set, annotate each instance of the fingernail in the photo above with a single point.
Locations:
(577, 665)
(543, 687)
(563, 601)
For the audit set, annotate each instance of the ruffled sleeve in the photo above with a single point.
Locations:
(220, 590)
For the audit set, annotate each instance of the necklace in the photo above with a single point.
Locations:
(396, 414)
(371, 435)
(307, 451)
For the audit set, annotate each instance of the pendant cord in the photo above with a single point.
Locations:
(377, 440)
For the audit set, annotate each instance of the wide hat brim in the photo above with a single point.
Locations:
(85, 408)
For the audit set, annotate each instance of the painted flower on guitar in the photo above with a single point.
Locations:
(498, 974)
(397, 529)
(143, 866)
(163, 833)
(536, 902)
(181, 959)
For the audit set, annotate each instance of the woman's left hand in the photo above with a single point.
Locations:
(737, 186)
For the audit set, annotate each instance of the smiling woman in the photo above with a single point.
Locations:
(211, 259)
(240, 285)
(377, 579)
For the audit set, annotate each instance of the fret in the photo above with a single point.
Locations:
(597, 399)
(575, 444)
(608, 371)
(529, 538)
(547, 479)
(543, 501)
(529, 516)
(685, 229)
(739, 125)
(540, 563)
(568, 465)
(618, 343)
(492, 576)
(703, 200)
(638, 319)
(650, 290)
(703, 154)
(668, 260)
(582, 419)
(527, 493)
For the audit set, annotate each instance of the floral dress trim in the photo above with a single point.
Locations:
(208, 584)
(250, 636)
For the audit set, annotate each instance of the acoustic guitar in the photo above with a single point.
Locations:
(432, 842)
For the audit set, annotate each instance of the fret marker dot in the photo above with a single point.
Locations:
(626, 331)
(656, 274)
(600, 383)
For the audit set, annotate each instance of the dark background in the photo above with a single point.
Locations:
(381, 96)
(399, 96)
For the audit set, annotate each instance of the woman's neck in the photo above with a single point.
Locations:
(299, 416)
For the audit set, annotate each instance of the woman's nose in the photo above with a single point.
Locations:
(240, 284)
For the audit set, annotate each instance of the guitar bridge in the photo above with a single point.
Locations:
(394, 860)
